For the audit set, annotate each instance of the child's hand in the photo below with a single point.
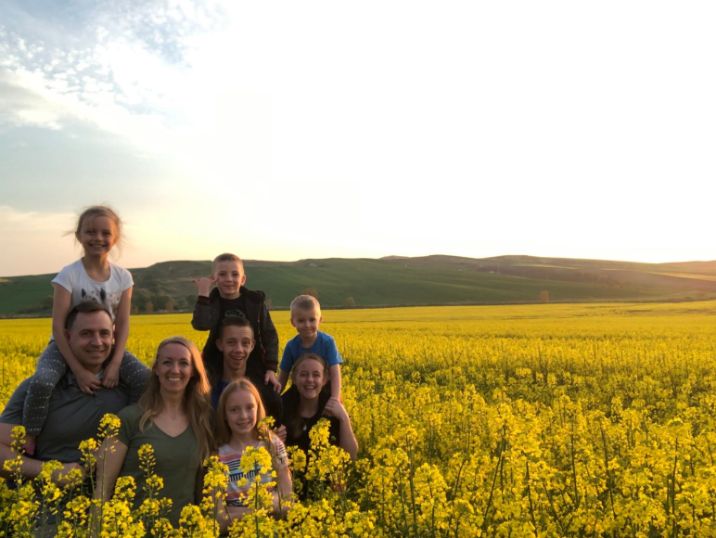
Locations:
(61, 476)
(87, 381)
(270, 377)
(281, 432)
(110, 378)
(30, 445)
(334, 408)
(204, 285)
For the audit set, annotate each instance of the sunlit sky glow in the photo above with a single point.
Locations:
(288, 130)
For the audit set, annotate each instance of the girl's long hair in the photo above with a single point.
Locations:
(196, 397)
(223, 431)
(94, 211)
(292, 398)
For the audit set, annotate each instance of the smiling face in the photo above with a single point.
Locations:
(309, 376)
(306, 321)
(241, 412)
(173, 368)
(97, 235)
(229, 277)
(236, 344)
(90, 338)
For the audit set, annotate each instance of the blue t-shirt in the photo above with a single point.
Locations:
(324, 346)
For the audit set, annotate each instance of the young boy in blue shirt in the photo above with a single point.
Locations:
(306, 318)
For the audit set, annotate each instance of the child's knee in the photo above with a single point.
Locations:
(46, 377)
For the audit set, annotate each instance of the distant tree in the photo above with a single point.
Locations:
(47, 303)
(140, 297)
(349, 302)
(544, 296)
(150, 281)
(164, 303)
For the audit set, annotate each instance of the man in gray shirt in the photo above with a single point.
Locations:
(73, 415)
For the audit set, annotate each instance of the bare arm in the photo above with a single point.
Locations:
(31, 467)
(270, 377)
(282, 378)
(222, 514)
(348, 441)
(282, 497)
(206, 315)
(61, 301)
(121, 333)
(121, 325)
(109, 463)
(336, 383)
(285, 485)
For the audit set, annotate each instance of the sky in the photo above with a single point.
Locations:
(289, 130)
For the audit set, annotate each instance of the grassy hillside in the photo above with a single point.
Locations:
(396, 280)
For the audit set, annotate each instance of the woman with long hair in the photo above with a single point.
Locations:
(307, 400)
(174, 416)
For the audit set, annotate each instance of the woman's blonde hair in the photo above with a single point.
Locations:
(196, 397)
(223, 431)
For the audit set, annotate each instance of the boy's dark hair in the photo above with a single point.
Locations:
(85, 307)
(233, 318)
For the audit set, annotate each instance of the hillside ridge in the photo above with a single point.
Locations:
(436, 279)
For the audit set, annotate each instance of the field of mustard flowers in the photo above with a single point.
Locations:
(535, 420)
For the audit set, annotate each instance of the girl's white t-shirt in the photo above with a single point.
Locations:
(74, 279)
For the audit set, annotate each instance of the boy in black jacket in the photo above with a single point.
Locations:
(226, 299)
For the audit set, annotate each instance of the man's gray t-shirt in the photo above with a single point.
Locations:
(73, 416)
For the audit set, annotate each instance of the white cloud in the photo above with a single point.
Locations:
(24, 105)
(35, 239)
(15, 220)
(466, 127)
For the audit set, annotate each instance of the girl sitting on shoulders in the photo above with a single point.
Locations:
(92, 277)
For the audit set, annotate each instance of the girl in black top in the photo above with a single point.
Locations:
(307, 401)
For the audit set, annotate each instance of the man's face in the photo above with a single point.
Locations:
(91, 338)
(236, 344)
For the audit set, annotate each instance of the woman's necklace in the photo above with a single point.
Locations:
(305, 421)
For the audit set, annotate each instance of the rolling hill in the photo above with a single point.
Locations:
(395, 280)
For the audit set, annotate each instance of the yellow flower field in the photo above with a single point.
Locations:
(534, 420)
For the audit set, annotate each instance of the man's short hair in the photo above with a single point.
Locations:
(305, 302)
(85, 307)
(234, 318)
